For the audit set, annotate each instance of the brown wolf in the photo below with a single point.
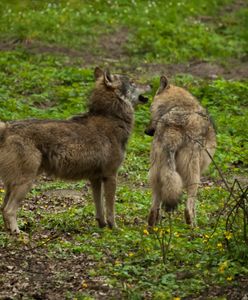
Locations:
(89, 146)
(184, 137)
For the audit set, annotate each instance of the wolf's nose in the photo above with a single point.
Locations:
(143, 99)
(150, 131)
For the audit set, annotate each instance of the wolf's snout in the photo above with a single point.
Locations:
(143, 99)
(150, 131)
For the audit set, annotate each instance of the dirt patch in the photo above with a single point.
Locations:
(235, 70)
(64, 198)
(111, 47)
(39, 276)
(236, 291)
(233, 7)
(36, 47)
(112, 44)
(56, 200)
(34, 274)
(34, 266)
(64, 193)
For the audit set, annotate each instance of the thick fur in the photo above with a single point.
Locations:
(184, 138)
(89, 146)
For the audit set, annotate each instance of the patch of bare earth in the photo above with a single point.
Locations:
(34, 46)
(57, 200)
(28, 273)
(111, 50)
(206, 70)
(36, 267)
(110, 46)
(34, 274)
(236, 291)
(233, 6)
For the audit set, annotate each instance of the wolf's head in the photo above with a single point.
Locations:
(122, 86)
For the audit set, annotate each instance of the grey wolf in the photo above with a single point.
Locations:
(88, 146)
(184, 142)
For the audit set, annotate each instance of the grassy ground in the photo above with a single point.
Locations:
(48, 53)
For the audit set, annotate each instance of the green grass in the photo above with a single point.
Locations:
(170, 31)
(43, 85)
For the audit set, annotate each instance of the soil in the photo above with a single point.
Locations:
(112, 49)
(234, 69)
(113, 45)
(29, 271)
(239, 291)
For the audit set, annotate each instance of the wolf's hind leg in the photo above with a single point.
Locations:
(188, 166)
(16, 195)
(97, 188)
(109, 191)
(192, 184)
(154, 213)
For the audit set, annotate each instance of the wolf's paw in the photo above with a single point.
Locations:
(153, 217)
(15, 231)
(112, 225)
(189, 218)
(101, 223)
(11, 227)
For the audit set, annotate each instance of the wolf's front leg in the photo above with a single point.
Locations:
(16, 194)
(109, 191)
(97, 189)
(5, 201)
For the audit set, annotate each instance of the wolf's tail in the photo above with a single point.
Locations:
(165, 180)
(2, 131)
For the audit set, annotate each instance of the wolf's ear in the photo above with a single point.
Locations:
(98, 73)
(107, 78)
(164, 83)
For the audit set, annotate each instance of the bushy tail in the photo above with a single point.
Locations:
(171, 186)
(2, 131)
(165, 180)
